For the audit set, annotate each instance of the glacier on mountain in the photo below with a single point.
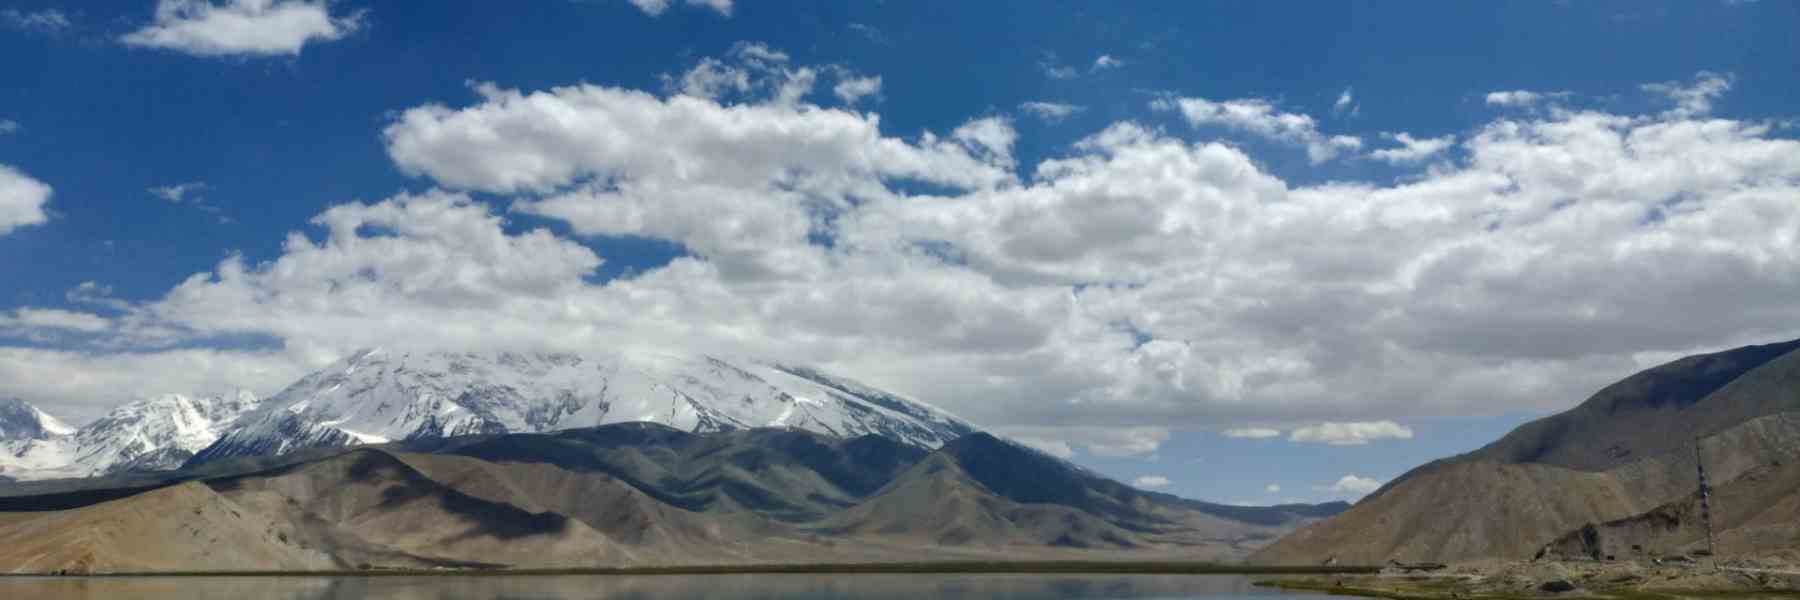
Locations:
(155, 433)
(376, 396)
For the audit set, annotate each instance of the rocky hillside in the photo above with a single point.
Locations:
(623, 495)
(1627, 451)
(1756, 512)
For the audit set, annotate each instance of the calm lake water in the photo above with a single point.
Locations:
(662, 587)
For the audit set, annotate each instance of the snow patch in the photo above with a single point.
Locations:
(52, 425)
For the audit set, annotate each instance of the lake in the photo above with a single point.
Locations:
(656, 587)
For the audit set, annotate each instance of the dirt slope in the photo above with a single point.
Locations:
(1624, 452)
(1756, 512)
(625, 495)
(367, 506)
(186, 526)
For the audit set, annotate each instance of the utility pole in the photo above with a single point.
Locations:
(1705, 508)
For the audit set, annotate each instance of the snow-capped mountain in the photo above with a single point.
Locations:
(159, 432)
(375, 396)
(20, 420)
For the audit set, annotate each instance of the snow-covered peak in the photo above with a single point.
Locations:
(380, 395)
(158, 432)
(374, 396)
(20, 420)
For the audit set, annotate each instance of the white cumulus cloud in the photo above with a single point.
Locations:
(853, 89)
(1412, 150)
(1252, 433)
(1050, 112)
(1345, 103)
(657, 7)
(1262, 118)
(1063, 439)
(1151, 482)
(178, 193)
(1693, 99)
(1350, 434)
(52, 318)
(501, 145)
(22, 200)
(1132, 284)
(242, 27)
(1353, 486)
(1521, 98)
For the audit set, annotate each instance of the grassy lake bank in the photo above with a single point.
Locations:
(1496, 580)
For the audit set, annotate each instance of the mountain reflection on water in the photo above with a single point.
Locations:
(662, 587)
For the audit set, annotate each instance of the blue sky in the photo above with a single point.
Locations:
(1134, 344)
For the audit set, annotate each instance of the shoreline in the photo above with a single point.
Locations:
(898, 568)
(1615, 593)
(1518, 580)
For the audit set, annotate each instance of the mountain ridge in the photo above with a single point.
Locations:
(1623, 452)
(19, 420)
(153, 433)
(376, 396)
(636, 493)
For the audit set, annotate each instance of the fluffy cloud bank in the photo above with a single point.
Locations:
(242, 27)
(1137, 282)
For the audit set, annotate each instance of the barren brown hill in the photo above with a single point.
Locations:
(620, 496)
(1756, 512)
(185, 526)
(1623, 452)
(938, 504)
(368, 506)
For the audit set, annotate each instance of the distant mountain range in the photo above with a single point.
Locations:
(160, 432)
(1614, 476)
(626, 494)
(374, 397)
(393, 459)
